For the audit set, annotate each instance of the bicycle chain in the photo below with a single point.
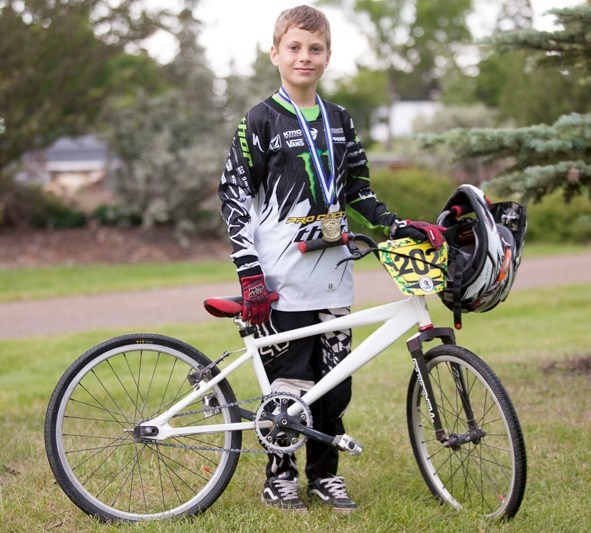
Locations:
(210, 448)
(216, 448)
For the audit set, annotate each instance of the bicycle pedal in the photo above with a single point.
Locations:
(348, 444)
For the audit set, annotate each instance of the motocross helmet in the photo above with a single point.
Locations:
(485, 244)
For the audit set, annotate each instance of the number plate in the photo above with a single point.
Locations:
(417, 268)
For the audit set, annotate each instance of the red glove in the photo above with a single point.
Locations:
(419, 231)
(256, 301)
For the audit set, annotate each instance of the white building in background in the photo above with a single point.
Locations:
(71, 165)
(402, 117)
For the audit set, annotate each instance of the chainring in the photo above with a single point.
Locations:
(278, 439)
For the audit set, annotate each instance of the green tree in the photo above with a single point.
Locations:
(58, 64)
(363, 95)
(565, 48)
(412, 40)
(469, 170)
(519, 92)
(241, 92)
(539, 159)
(172, 146)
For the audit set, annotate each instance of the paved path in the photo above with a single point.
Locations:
(146, 309)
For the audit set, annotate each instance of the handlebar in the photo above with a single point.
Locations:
(321, 244)
(462, 209)
(350, 239)
(347, 239)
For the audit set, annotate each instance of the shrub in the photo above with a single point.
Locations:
(51, 212)
(412, 193)
(30, 206)
(420, 194)
(555, 221)
(117, 215)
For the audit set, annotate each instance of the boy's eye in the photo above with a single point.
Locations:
(313, 49)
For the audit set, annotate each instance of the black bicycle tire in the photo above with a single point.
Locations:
(78, 370)
(510, 502)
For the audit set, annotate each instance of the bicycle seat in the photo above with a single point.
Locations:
(229, 306)
(224, 306)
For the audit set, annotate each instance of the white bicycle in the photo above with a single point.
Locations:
(146, 427)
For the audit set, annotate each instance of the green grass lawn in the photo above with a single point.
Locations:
(49, 282)
(519, 340)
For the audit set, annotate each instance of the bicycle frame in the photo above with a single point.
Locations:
(115, 462)
(398, 317)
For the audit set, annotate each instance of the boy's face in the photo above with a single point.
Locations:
(301, 58)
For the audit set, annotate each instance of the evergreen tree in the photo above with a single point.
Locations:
(540, 159)
(568, 47)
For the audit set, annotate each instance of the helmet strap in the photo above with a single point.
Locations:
(457, 291)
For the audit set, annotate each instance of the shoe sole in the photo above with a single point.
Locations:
(283, 508)
(344, 511)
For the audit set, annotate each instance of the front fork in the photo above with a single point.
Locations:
(415, 347)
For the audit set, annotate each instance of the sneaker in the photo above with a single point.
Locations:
(332, 491)
(282, 491)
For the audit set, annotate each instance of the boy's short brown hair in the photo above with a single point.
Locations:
(303, 17)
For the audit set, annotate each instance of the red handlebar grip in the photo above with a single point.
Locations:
(460, 210)
(321, 244)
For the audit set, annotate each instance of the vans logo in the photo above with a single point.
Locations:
(294, 143)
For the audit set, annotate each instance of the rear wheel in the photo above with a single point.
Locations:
(99, 463)
(487, 474)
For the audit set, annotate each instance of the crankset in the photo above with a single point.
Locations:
(278, 431)
(281, 433)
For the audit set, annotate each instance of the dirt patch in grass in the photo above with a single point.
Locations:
(576, 365)
(104, 245)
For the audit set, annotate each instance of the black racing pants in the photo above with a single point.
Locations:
(294, 367)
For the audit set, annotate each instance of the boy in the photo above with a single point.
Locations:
(296, 168)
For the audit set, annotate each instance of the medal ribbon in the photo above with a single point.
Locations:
(327, 183)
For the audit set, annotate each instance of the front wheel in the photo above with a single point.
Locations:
(98, 461)
(481, 466)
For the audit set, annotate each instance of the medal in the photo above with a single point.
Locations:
(331, 229)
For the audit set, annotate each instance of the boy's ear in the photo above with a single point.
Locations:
(273, 55)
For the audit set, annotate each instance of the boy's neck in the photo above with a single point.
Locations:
(302, 96)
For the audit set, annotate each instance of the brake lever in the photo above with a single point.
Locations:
(356, 254)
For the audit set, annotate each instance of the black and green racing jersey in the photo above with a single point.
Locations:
(272, 200)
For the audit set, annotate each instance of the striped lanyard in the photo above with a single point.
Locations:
(327, 183)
